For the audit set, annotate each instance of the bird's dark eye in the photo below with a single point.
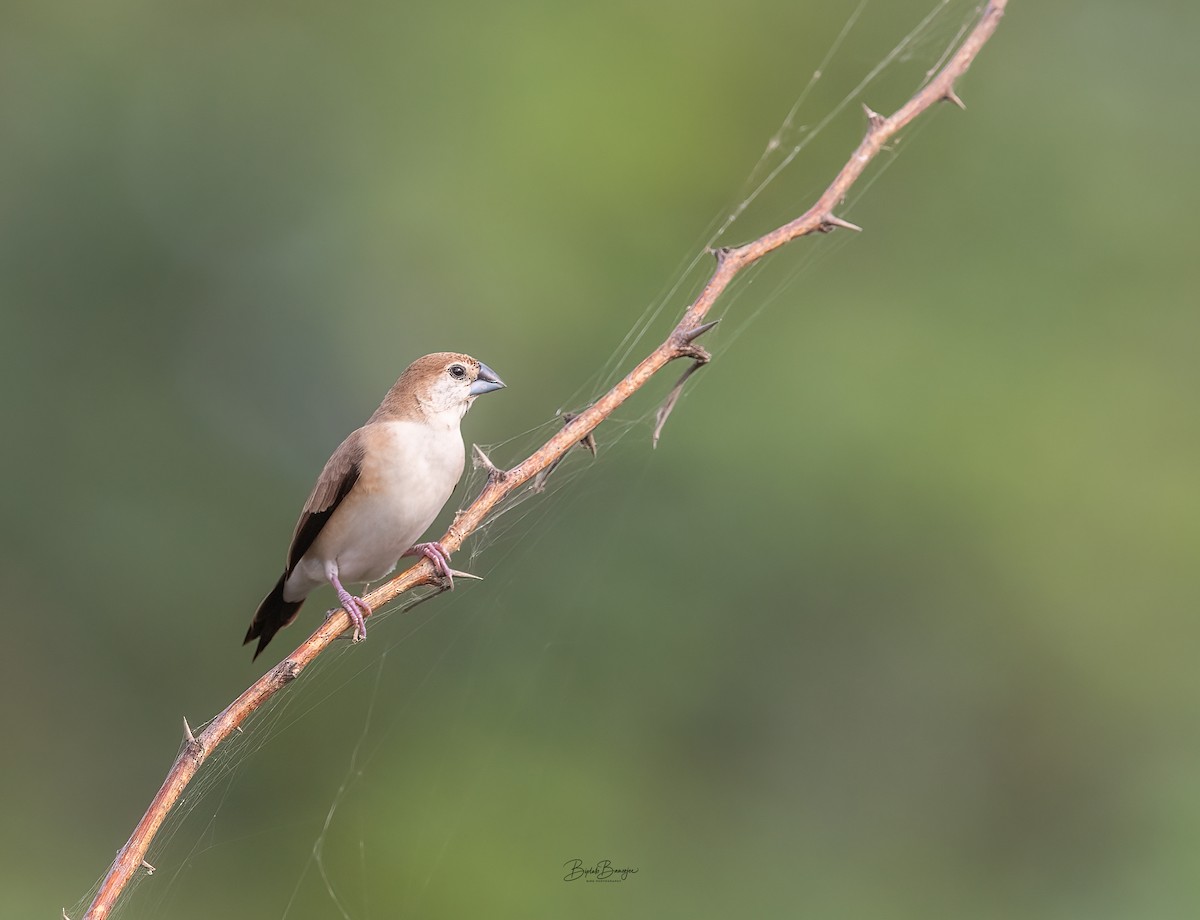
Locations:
(457, 371)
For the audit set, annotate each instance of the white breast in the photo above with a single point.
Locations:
(408, 474)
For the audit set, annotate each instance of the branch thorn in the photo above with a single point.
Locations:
(188, 736)
(829, 221)
(952, 96)
(150, 870)
(874, 118)
(482, 461)
(664, 411)
(692, 334)
(588, 441)
(720, 252)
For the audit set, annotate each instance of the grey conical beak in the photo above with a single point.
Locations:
(486, 381)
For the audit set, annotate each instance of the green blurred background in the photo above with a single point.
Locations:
(900, 618)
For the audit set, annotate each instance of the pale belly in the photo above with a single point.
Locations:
(398, 495)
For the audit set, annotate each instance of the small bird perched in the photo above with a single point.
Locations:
(379, 491)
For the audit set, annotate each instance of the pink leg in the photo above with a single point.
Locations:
(356, 608)
(435, 553)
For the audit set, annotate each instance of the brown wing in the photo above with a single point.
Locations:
(334, 484)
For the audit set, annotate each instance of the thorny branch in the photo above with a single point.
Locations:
(501, 483)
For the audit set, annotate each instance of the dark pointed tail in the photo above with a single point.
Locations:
(272, 615)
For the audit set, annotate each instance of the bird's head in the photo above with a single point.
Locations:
(440, 386)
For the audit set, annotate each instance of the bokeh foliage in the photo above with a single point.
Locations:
(899, 620)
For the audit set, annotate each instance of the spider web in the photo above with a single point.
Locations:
(378, 692)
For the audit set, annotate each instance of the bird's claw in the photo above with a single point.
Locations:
(357, 610)
(438, 555)
(358, 616)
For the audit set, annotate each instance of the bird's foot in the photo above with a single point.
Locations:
(437, 554)
(357, 610)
